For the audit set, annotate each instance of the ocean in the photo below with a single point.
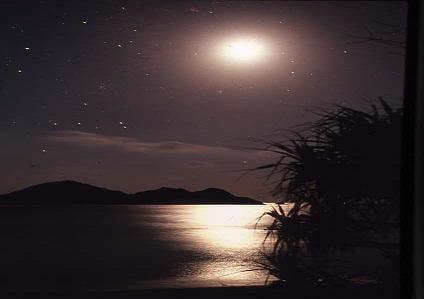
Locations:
(101, 247)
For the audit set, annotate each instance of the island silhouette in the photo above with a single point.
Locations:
(72, 192)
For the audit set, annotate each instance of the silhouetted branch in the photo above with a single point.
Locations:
(381, 38)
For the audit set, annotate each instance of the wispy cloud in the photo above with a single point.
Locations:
(200, 164)
(85, 139)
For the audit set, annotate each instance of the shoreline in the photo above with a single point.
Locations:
(299, 292)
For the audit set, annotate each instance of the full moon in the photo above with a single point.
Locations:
(243, 50)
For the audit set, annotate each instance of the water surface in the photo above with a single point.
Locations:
(97, 247)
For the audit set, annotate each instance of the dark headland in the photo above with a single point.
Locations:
(71, 192)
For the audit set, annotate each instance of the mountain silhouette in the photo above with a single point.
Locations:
(182, 196)
(71, 192)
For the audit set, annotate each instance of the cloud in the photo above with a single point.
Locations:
(94, 140)
(200, 164)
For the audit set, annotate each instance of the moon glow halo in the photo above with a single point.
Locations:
(243, 50)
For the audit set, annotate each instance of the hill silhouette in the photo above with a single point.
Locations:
(179, 195)
(71, 192)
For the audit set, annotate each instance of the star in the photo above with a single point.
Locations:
(194, 9)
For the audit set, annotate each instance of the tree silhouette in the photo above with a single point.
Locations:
(341, 176)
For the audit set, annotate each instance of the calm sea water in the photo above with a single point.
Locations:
(118, 247)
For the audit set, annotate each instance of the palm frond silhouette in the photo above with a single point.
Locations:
(341, 175)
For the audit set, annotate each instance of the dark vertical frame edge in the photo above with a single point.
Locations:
(411, 268)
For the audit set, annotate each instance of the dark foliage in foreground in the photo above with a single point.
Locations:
(341, 175)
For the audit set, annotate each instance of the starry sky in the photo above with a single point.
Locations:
(132, 95)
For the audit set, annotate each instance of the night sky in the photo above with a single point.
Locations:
(136, 95)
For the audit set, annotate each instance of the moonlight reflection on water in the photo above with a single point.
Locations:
(230, 227)
(230, 239)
